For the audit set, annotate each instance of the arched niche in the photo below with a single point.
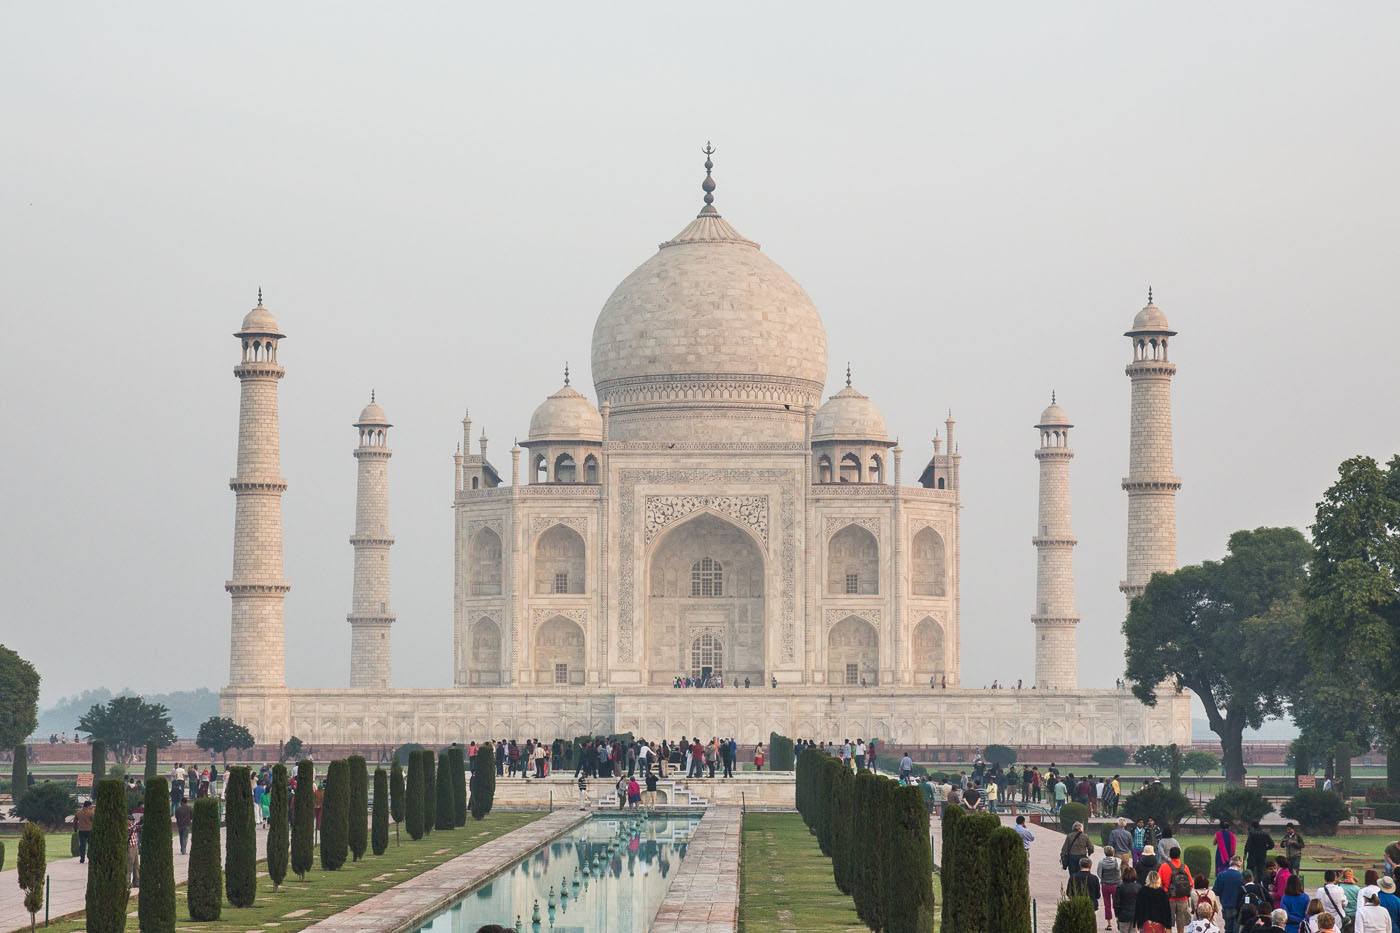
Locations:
(484, 562)
(484, 655)
(929, 566)
(852, 563)
(559, 561)
(559, 652)
(928, 658)
(853, 653)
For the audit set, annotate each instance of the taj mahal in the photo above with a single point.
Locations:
(709, 517)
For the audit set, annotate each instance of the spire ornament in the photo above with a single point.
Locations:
(566, 372)
(1149, 294)
(848, 374)
(259, 296)
(708, 185)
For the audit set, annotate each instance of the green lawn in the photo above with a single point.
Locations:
(786, 882)
(1321, 852)
(325, 893)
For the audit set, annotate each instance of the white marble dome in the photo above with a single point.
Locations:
(372, 414)
(260, 322)
(849, 416)
(566, 415)
(1150, 320)
(710, 312)
(1054, 417)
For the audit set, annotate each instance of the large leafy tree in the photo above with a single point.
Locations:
(126, 724)
(218, 734)
(1215, 628)
(19, 699)
(1354, 613)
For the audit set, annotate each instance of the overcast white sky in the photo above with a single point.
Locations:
(438, 198)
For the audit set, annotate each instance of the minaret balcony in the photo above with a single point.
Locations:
(1054, 541)
(1166, 483)
(254, 369)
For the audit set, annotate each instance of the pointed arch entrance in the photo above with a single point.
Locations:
(853, 653)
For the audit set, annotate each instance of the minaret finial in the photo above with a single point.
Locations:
(566, 372)
(1149, 294)
(259, 296)
(848, 374)
(708, 185)
(1052, 396)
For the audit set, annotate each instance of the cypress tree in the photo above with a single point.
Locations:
(155, 903)
(99, 761)
(413, 797)
(304, 820)
(867, 853)
(396, 795)
(970, 871)
(32, 863)
(844, 823)
(335, 816)
(359, 806)
(205, 888)
(278, 827)
(240, 839)
(379, 838)
(953, 817)
(107, 892)
(444, 807)
(908, 897)
(483, 780)
(19, 773)
(1075, 915)
(152, 761)
(458, 766)
(1008, 889)
(429, 790)
(821, 796)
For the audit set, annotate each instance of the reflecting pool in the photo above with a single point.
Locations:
(609, 873)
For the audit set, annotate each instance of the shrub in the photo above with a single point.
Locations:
(1111, 756)
(1317, 811)
(1239, 805)
(405, 751)
(304, 820)
(1388, 811)
(99, 761)
(972, 870)
(457, 767)
(47, 804)
(1072, 813)
(1159, 802)
(107, 892)
(396, 795)
(379, 837)
(1199, 859)
(781, 756)
(952, 825)
(292, 749)
(32, 864)
(335, 816)
(867, 857)
(240, 839)
(483, 781)
(1003, 755)
(413, 797)
(443, 806)
(1008, 888)
(19, 774)
(359, 806)
(205, 889)
(429, 790)
(1075, 915)
(908, 897)
(152, 763)
(278, 827)
(842, 804)
(155, 904)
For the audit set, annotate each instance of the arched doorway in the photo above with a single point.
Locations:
(559, 561)
(853, 563)
(705, 577)
(559, 655)
(928, 661)
(853, 653)
(485, 572)
(930, 571)
(707, 657)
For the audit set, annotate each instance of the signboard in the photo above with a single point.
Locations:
(1307, 781)
(1251, 782)
(85, 779)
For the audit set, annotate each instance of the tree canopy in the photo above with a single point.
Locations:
(218, 734)
(1218, 628)
(19, 699)
(126, 724)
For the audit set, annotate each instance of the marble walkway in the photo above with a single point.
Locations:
(704, 895)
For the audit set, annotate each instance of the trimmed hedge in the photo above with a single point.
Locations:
(1072, 813)
(396, 794)
(845, 823)
(429, 790)
(379, 836)
(278, 827)
(19, 774)
(304, 820)
(155, 904)
(781, 755)
(457, 766)
(867, 848)
(444, 806)
(413, 796)
(908, 895)
(107, 893)
(1008, 887)
(335, 816)
(952, 827)
(1239, 805)
(1076, 915)
(1159, 802)
(969, 894)
(1317, 811)
(1200, 860)
(152, 766)
(205, 888)
(483, 791)
(99, 761)
(359, 806)
(240, 839)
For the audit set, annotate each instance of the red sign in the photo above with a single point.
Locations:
(85, 779)
(1307, 781)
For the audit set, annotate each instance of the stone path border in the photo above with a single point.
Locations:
(408, 905)
(704, 895)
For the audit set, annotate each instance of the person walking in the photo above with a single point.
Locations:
(1256, 850)
(1205, 921)
(1176, 878)
(1084, 881)
(634, 793)
(1110, 876)
(184, 816)
(82, 825)
(1153, 905)
(860, 755)
(651, 789)
(582, 792)
(1125, 900)
(1075, 848)
(1225, 845)
(758, 757)
(1229, 890)
(1371, 917)
(993, 795)
(1024, 831)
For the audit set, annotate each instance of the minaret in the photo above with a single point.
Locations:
(370, 616)
(1151, 485)
(256, 656)
(1055, 618)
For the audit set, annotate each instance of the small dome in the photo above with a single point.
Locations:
(260, 322)
(566, 415)
(1151, 320)
(849, 415)
(1054, 417)
(372, 414)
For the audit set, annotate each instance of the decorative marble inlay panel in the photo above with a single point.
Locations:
(835, 523)
(832, 616)
(477, 524)
(750, 512)
(540, 523)
(539, 617)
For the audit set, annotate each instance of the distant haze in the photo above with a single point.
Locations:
(437, 200)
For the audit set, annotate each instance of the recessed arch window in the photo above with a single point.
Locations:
(706, 578)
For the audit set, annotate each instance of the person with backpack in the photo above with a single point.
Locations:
(1205, 922)
(1252, 896)
(1153, 905)
(1075, 848)
(1176, 878)
(1203, 899)
(1083, 881)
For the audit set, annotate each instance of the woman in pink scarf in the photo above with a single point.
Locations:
(1225, 843)
(1281, 879)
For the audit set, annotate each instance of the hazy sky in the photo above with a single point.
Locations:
(437, 199)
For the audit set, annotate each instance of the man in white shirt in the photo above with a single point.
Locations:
(1024, 831)
(860, 754)
(1333, 898)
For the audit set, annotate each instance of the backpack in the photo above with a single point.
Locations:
(1181, 882)
(1202, 898)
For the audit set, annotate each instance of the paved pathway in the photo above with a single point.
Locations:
(68, 879)
(704, 895)
(406, 906)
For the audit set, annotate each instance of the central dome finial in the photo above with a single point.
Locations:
(708, 185)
